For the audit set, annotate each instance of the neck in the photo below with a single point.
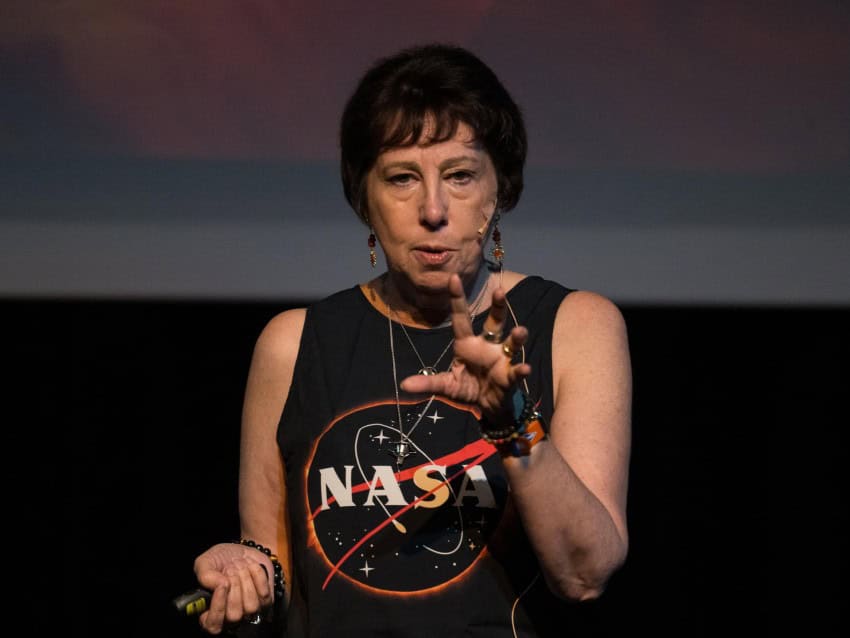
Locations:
(424, 309)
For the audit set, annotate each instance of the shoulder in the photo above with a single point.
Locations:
(577, 312)
(271, 371)
(281, 336)
(279, 340)
(590, 328)
(586, 310)
(591, 361)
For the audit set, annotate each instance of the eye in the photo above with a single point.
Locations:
(461, 177)
(400, 179)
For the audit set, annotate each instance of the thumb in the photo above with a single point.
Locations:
(425, 384)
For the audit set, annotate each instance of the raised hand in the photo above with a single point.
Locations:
(483, 372)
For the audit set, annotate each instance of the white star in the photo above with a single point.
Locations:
(435, 417)
(380, 438)
(366, 569)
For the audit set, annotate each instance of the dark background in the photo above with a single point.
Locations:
(129, 413)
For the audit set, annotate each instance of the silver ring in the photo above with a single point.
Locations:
(492, 337)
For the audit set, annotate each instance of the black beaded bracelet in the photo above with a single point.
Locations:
(279, 580)
(526, 431)
(521, 407)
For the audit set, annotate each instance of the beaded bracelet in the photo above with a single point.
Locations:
(279, 580)
(526, 431)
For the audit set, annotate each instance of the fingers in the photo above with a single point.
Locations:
(494, 324)
(244, 593)
(261, 580)
(486, 364)
(514, 342)
(256, 591)
(213, 620)
(426, 384)
(461, 322)
(512, 351)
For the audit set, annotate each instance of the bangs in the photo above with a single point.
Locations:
(420, 96)
(424, 125)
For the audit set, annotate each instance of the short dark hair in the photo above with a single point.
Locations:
(396, 96)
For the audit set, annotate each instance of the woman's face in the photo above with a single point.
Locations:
(427, 204)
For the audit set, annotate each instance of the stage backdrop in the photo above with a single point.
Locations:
(679, 152)
(168, 182)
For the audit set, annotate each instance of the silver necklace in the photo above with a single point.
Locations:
(425, 369)
(402, 448)
(399, 449)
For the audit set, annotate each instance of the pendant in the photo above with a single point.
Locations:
(401, 450)
(428, 371)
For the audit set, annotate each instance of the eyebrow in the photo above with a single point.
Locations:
(446, 163)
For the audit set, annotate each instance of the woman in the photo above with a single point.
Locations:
(443, 449)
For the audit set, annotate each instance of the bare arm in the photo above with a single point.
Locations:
(571, 490)
(241, 587)
(262, 488)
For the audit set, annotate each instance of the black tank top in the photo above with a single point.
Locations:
(431, 547)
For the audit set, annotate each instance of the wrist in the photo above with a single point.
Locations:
(520, 431)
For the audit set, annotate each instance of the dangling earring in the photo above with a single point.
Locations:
(373, 258)
(498, 251)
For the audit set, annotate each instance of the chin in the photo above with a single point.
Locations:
(432, 281)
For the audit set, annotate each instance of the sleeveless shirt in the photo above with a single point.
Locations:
(427, 547)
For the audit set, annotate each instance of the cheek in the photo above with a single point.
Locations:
(393, 222)
(379, 211)
(476, 214)
(379, 205)
(392, 227)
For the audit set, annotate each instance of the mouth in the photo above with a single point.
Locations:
(432, 255)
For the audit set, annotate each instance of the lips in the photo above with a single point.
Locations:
(432, 255)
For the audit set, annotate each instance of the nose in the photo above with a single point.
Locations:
(434, 207)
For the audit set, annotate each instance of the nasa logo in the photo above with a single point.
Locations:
(409, 527)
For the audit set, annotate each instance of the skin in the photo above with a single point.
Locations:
(427, 204)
